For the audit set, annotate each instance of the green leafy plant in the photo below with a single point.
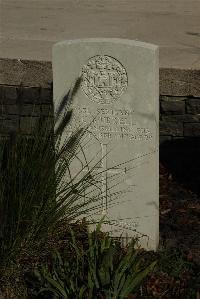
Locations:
(103, 270)
(174, 263)
(37, 188)
(174, 277)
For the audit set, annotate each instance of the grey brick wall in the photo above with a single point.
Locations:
(26, 96)
(22, 107)
(179, 116)
(179, 104)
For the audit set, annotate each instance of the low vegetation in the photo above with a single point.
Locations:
(47, 252)
(101, 269)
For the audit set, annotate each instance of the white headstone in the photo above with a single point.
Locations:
(120, 92)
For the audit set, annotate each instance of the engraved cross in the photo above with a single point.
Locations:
(104, 175)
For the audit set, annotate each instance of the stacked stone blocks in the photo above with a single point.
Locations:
(26, 96)
(179, 104)
(21, 107)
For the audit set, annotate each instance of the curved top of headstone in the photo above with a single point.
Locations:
(79, 56)
(128, 42)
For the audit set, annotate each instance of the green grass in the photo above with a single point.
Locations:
(37, 187)
(99, 267)
(38, 192)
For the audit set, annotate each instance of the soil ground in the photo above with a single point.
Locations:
(179, 216)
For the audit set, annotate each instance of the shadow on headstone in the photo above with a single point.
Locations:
(181, 157)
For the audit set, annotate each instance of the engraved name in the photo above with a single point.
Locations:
(109, 124)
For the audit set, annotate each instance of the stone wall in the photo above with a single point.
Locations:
(179, 104)
(21, 108)
(180, 125)
(26, 95)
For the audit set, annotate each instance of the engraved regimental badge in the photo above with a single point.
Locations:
(104, 79)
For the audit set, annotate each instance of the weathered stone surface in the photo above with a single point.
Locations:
(25, 72)
(119, 87)
(172, 107)
(194, 81)
(193, 106)
(34, 72)
(164, 138)
(192, 129)
(1, 94)
(172, 98)
(171, 128)
(30, 110)
(48, 123)
(46, 95)
(10, 94)
(28, 124)
(9, 109)
(30, 95)
(47, 110)
(178, 82)
(9, 125)
(184, 118)
(180, 88)
(175, 82)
